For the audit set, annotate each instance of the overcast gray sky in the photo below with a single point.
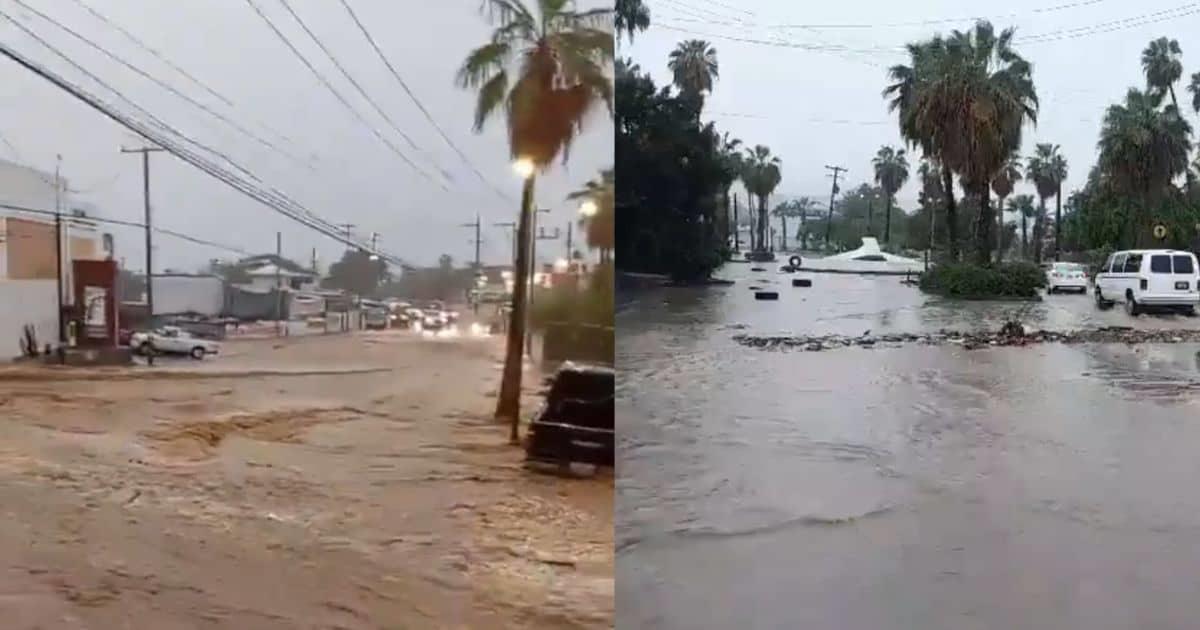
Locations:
(808, 84)
(355, 179)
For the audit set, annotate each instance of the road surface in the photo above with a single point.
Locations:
(348, 481)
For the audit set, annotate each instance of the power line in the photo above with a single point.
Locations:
(403, 84)
(329, 86)
(285, 206)
(163, 126)
(77, 220)
(160, 83)
(359, 87)
(1180, 11)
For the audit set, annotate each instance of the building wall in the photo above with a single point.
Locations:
(26, 187)
(26, 302)
(31, 249)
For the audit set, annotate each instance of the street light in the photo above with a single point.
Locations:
(524, 167)
(588, 208)
(561, 265)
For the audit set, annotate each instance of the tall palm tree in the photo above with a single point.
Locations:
(1040, 169)
(1142, 149)
(1058, 170)
(931, 191)
(729, 151)
(631, 16)
(1003, 184)
(891, 171)
(1160, 62)
(599, 226)
(544, 66)
(761, 175)
(1023, 206)
(964, 100)
(694, 68)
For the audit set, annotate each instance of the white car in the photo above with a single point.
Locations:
(1149, 277)
(173, 340)
(1063, 276)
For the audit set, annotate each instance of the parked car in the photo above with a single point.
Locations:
(1153, 277)
(1064, 276)
(173, 340)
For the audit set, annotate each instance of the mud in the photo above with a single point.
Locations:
(319, 482)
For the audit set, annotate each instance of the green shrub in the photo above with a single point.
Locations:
(972, 282)
(568, 304)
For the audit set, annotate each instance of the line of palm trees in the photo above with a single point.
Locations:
(694, 70)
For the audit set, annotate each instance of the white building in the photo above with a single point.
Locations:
(28, 242)
(270, 276)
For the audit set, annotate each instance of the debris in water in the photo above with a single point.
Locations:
(1011, 334)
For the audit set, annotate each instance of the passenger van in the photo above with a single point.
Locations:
(1149, 277)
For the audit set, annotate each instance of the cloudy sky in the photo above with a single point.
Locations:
(805, 77)
(342, 171)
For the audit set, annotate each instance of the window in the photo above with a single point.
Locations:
(1118, 265)
(1160, 263)
(1107, 266)
(1183, 264)
(1133, 263)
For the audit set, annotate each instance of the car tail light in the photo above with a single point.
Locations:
(1144, 283)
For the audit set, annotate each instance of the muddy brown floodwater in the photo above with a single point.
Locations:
(915, 487)
(319, 482)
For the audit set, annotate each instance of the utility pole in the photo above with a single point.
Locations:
(146, 151)
(737, 227)
(278, 284)
(346, 228)
(570, 254)
(58, 249)
(477, 241)
(539, 234)
(837, 170)
(512, 237)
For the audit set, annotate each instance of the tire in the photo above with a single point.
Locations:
(1102, 303)
(1188, 311)
(1050, 290)
(1131, 305)
(197, 353)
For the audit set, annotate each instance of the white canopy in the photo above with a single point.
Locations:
(868, 259)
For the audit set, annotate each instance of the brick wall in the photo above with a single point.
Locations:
(30, 249)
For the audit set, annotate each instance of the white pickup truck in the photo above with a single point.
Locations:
(173, 340)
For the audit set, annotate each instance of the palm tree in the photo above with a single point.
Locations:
(545, 71)
(729, 151)
(598, 220)
(802, 206)
(1160, 62)
(931, 189)
(631, 16)
(1003, 184)
(1041, 170)
(761, 175)
(1194, 88)
(1023, 206)
(964, 100)
(891, 171)
(1058, 170)
(784, 210)
(1142, 149)
(693, 65)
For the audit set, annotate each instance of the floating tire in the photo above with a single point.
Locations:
(794, 262)
(766, 295)
(757, 269)
(802, 282)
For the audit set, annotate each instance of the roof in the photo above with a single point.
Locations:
(274, 270)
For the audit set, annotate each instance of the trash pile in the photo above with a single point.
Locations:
(1011, 334)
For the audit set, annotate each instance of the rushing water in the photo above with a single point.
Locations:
(913, 487)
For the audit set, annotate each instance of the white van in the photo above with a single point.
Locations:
(1149, 277)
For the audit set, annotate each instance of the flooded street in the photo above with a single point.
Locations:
(349, 481)
(911, 487)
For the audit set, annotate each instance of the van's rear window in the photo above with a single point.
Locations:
(1183, 264)
(1160, 264)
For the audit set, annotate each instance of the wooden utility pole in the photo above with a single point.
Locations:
(837, 170)
(146, 151)
(477, 240)
(278, 284)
